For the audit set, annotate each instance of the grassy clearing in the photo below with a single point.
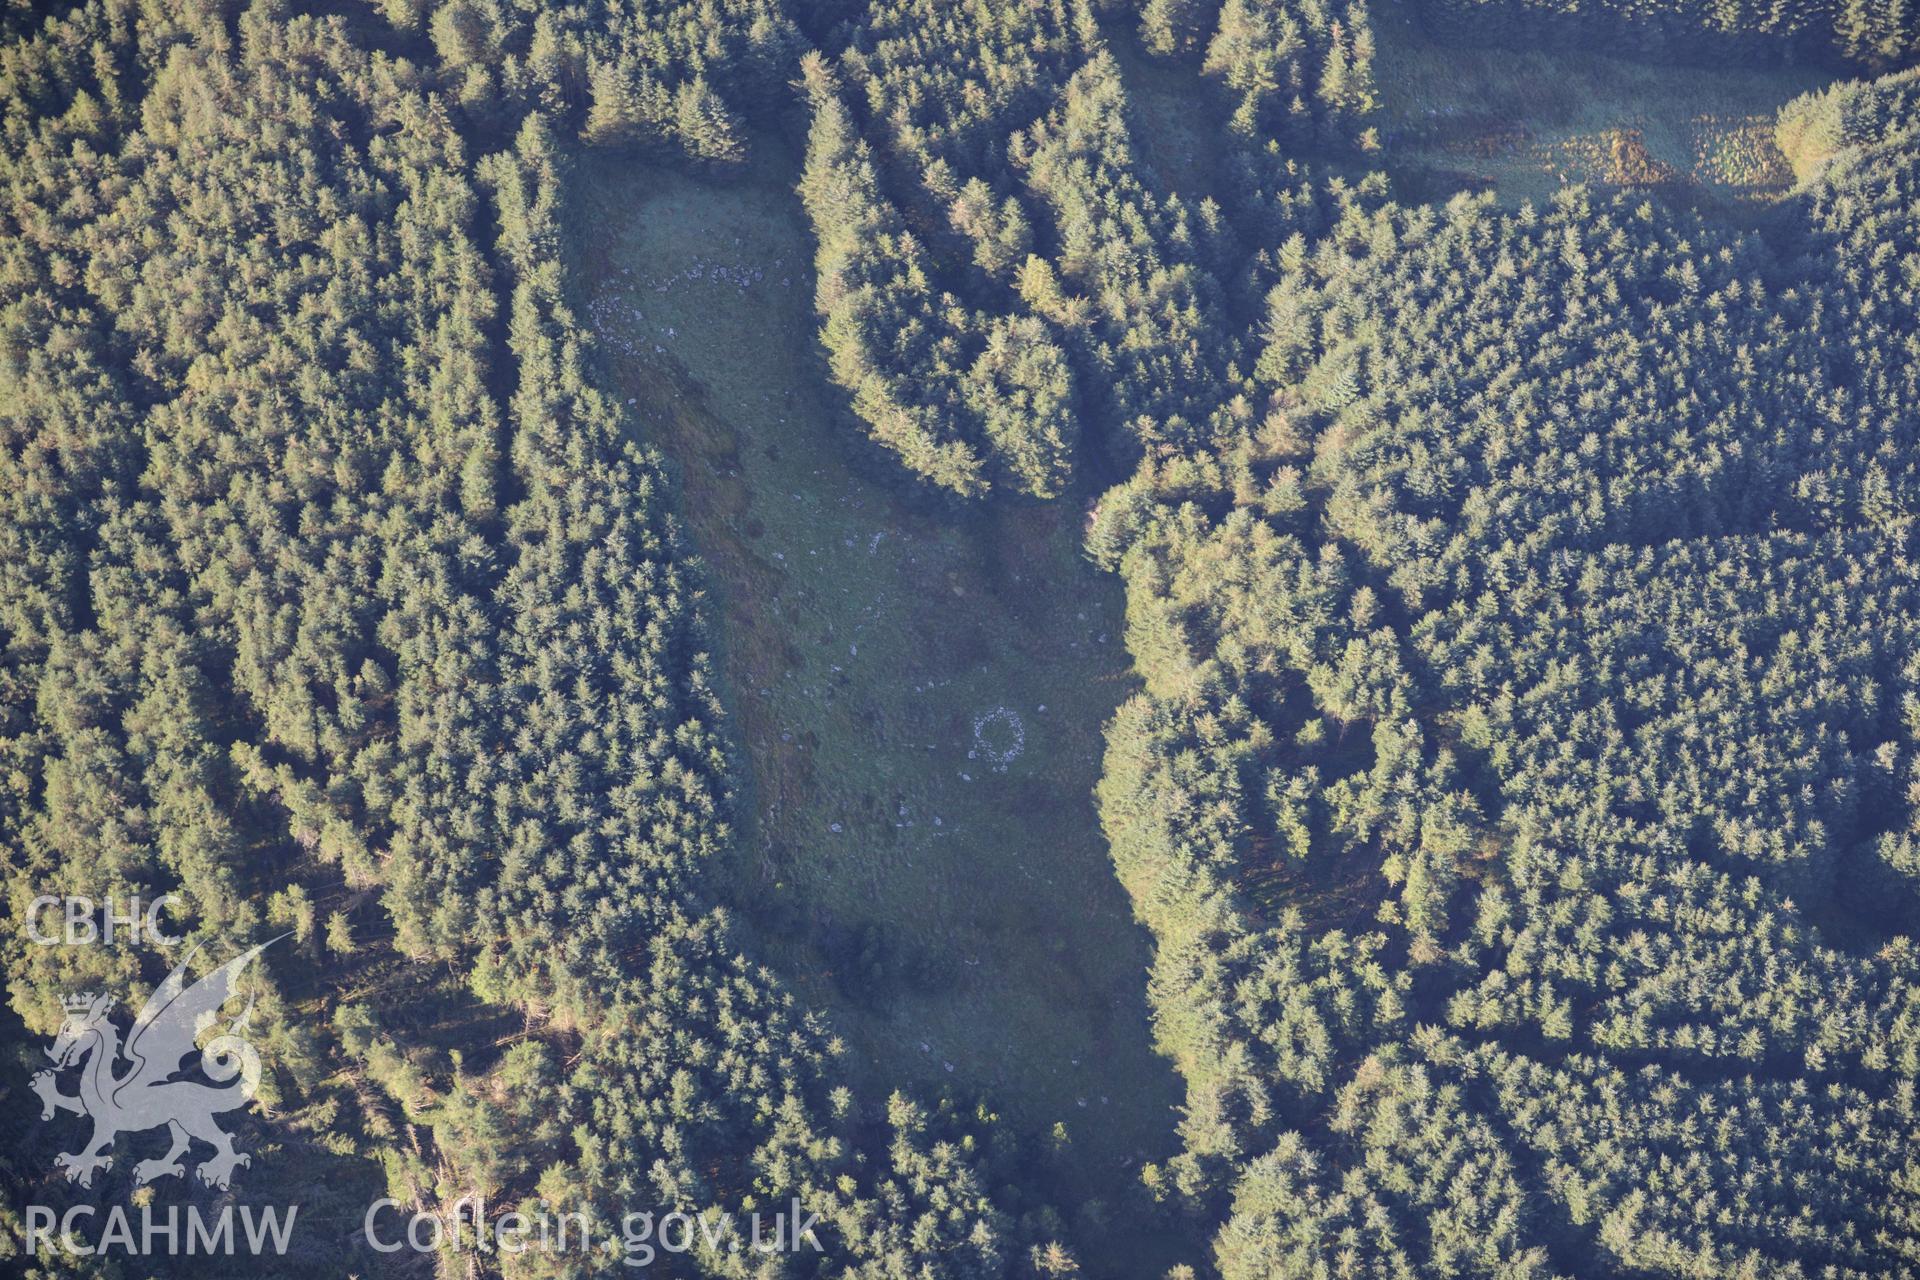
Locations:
(1172, 110)
(1519, 124)
(1524, 124)
(919, 690)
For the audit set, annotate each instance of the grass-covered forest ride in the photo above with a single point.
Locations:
(922, 725)
(1088, 638)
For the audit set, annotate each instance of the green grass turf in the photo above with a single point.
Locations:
(877, 645)
(1525, 124)
(1521, 124)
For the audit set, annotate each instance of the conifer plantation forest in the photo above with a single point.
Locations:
(1048, 639)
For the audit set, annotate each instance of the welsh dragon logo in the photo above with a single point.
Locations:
(154, 1090)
